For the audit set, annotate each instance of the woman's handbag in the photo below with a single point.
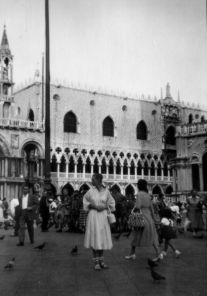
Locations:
(136, 219)
(111, 217)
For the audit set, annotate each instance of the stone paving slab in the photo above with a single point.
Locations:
(53, 271)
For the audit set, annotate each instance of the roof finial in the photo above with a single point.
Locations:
(168, 95)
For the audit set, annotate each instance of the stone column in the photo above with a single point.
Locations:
(107, 171)
(201, 176)
(84, 171)
(58, 170)
(135, 173)
(75, 172)
(128, 173)
(121, 172)
(155, 174)
(66, 169)
(162, 174)
(114, 172)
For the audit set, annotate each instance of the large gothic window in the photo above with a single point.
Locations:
(31, 115)
(70, 123)
(141, 131)
(108, 127)
(170, 136)
(190, 118)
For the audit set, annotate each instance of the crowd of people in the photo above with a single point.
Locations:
(87, 212)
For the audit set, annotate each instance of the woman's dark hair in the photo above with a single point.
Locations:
(98, 177)
(142, 185)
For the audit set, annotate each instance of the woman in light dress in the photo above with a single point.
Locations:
(97, 201)
(146, 237)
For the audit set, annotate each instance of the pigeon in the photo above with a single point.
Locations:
(74, 251)
(156, 276)
(40, 247)
(10, 264)
(2, 237)
(151, 263)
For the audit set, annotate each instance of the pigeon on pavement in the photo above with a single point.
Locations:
(40, 247)
(74, 251)
(10, 264)
(156, 276)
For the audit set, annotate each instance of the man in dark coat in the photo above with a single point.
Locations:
(28, 204)
(44, 211)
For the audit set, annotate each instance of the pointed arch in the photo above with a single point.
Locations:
(156, 189)
(141, 130)
(70, 122)
(71, 164)
(125, 167)
(111, 167)
(88, 165)
(169, 189)
(132, 168)
(96, 166)
(159, 169)
(108, 127)
(115, 189)
(62, 164)
(165, 169)
(53, 164)
(118, 167)
(152, 169)
(139, 168)
(146, 167)
(103, 166)
(80, 165)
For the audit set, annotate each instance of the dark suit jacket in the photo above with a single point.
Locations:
(32, 205)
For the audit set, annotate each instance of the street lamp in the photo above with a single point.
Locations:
(47, 180)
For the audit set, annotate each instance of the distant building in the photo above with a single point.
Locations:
(123, 138)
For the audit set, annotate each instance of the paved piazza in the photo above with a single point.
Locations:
(53, 271)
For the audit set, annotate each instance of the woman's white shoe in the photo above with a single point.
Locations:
(130, 257)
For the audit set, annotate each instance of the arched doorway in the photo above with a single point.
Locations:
(156, 190)
(204, 162)
(115, 189)
(169, 190)
(32, 155)
(195, 177)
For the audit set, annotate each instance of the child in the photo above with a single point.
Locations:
(168, 232)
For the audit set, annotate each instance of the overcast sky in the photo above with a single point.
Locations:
(136, 46)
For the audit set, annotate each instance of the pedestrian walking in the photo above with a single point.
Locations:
(194, 214)
(147, 236)
(28, 205)
(97, 201)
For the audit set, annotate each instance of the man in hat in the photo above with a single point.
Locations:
(28, 204)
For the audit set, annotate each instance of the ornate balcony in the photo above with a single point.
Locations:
(21, 124)
(6, 98)
(189, 130)
(70, 177)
